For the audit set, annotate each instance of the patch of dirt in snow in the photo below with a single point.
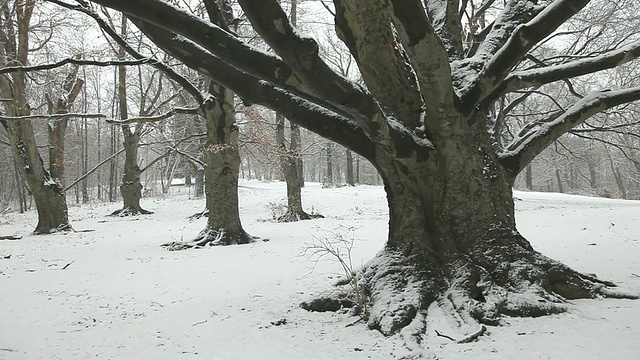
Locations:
(114, 293)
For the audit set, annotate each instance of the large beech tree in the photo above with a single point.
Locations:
(423, 118)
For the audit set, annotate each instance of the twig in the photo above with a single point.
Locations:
(66, 266)
(469, 338)
(10, 237)
(445, 336)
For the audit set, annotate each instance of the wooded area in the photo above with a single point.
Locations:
(450, 104)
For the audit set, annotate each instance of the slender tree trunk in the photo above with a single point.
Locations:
(528, 177)
(559, 180)
(289, 165)
(349, 175)
(131, 187)
(328, 181)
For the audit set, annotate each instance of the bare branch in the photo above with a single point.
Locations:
(75, 61)
(535, 77)
(155, 118)
(536, 136)
(53, 116)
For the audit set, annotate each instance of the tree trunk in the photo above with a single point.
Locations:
(559, 180)
(222, 160)
(199, 180)
(349, 176)
(528, 177)
(453, 240)
(131, 188)
(47, 191)
(288, 164)
(328, 181)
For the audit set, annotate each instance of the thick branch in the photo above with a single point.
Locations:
(365, 27)
(306, 113)
(301, 53)
(523, 39)
(540, 134)
(427, 54)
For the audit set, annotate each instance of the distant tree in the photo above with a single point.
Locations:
(423, 119)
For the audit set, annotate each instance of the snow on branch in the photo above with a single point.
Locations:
(298, 107)
(74, 61)
(540, 76)
(155, 118)
(521, 40)
(537, 135)
(427, 55)
(212, 38)
(301, 53)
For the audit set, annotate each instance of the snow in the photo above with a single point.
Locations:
(114, 293)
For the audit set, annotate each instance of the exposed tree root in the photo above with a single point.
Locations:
(212, 237)
(10, 237)
(130, 211)
(292, 216)
(476, 288)
(60, 228)
(198, 215)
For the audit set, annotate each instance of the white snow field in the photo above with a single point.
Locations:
(115, 293)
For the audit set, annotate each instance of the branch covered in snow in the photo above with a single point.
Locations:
(73, 60)
(521, 40)
(306, 112)
(301, 53)
(155, 118)
(53, 116)
(535, 77)
(536, 136)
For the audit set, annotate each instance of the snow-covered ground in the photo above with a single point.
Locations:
(114, 293)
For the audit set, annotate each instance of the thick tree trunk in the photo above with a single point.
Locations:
(222, 160)
(47, 191)
(453, 241)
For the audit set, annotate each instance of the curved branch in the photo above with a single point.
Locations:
(306, 113)
(301, 53)
(536, 136)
